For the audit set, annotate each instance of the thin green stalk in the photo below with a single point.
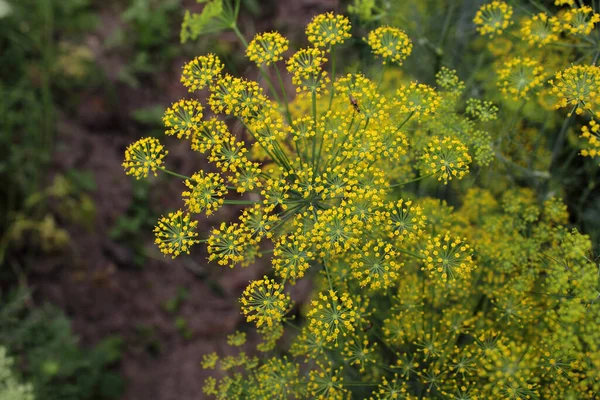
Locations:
(241, 202)
(314, 113)
(412, 180)
(410, 253)
(383, 71)
(174, 173)
(558, 144)
(287, 108)
(332, 77)
(405, 121)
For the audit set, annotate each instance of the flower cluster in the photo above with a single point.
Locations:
(326, 30)
(267, 48)
(519, 76)
(447, 158)
(175, 233)
(486, 296)
(591, 133)
(493, 18)
(201, 71)
(392, 44)
(577, 87)
(143, 156)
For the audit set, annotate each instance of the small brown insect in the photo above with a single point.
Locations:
(354, 103)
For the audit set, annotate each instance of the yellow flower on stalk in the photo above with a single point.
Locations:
(392, 44)
(446, 158)
(375, 265)
(540, 30)
(327, 383)
(417, 99)
(447, 257)
(405, 221)
(493, 18)
(144, 156)
(569, 3)
(291, 257)
(267, 48)
(592, 134)
(239, 97)
(580, 21)
(210, 134)
(306, 69)
(175, 233)
(183, 118)
(206, 192)
(264, 302)
(332, 316)
(230, 245)
(577, 87)
(201, 71)
(518, 77)
(328, 29)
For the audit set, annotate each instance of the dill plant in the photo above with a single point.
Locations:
(411, 298)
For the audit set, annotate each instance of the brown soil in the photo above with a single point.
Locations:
(96, 281)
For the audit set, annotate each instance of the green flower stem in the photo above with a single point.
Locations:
(288, 323)
(412, 180)
(174, 173)
(383, 71)
(332, 76)
(285, 99)
(558, 144)
(242, 202)
(410, 253)
(405, 121)
(359, 383)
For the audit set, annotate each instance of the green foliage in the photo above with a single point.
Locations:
(216, 16)
(173, 304)
(50, 356)
(10, 388)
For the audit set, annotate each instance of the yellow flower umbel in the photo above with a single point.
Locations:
(326, 30)
(375, 265)
(405, 220)
(306, 69)
(392, 44)
(332, 316)
(183, 118)
(327, 383)
(577, 87)
(230, 245)
(417, 99)
(206, 192)
(592, 134)
(482, 110)
(540, 30)
(175, 233)
(267, 48)
(201, 71)
(519, 77)
(447, 257)
(447, 158)
(580, 20)
(264, 302)
(493, 18)
(144, 156)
